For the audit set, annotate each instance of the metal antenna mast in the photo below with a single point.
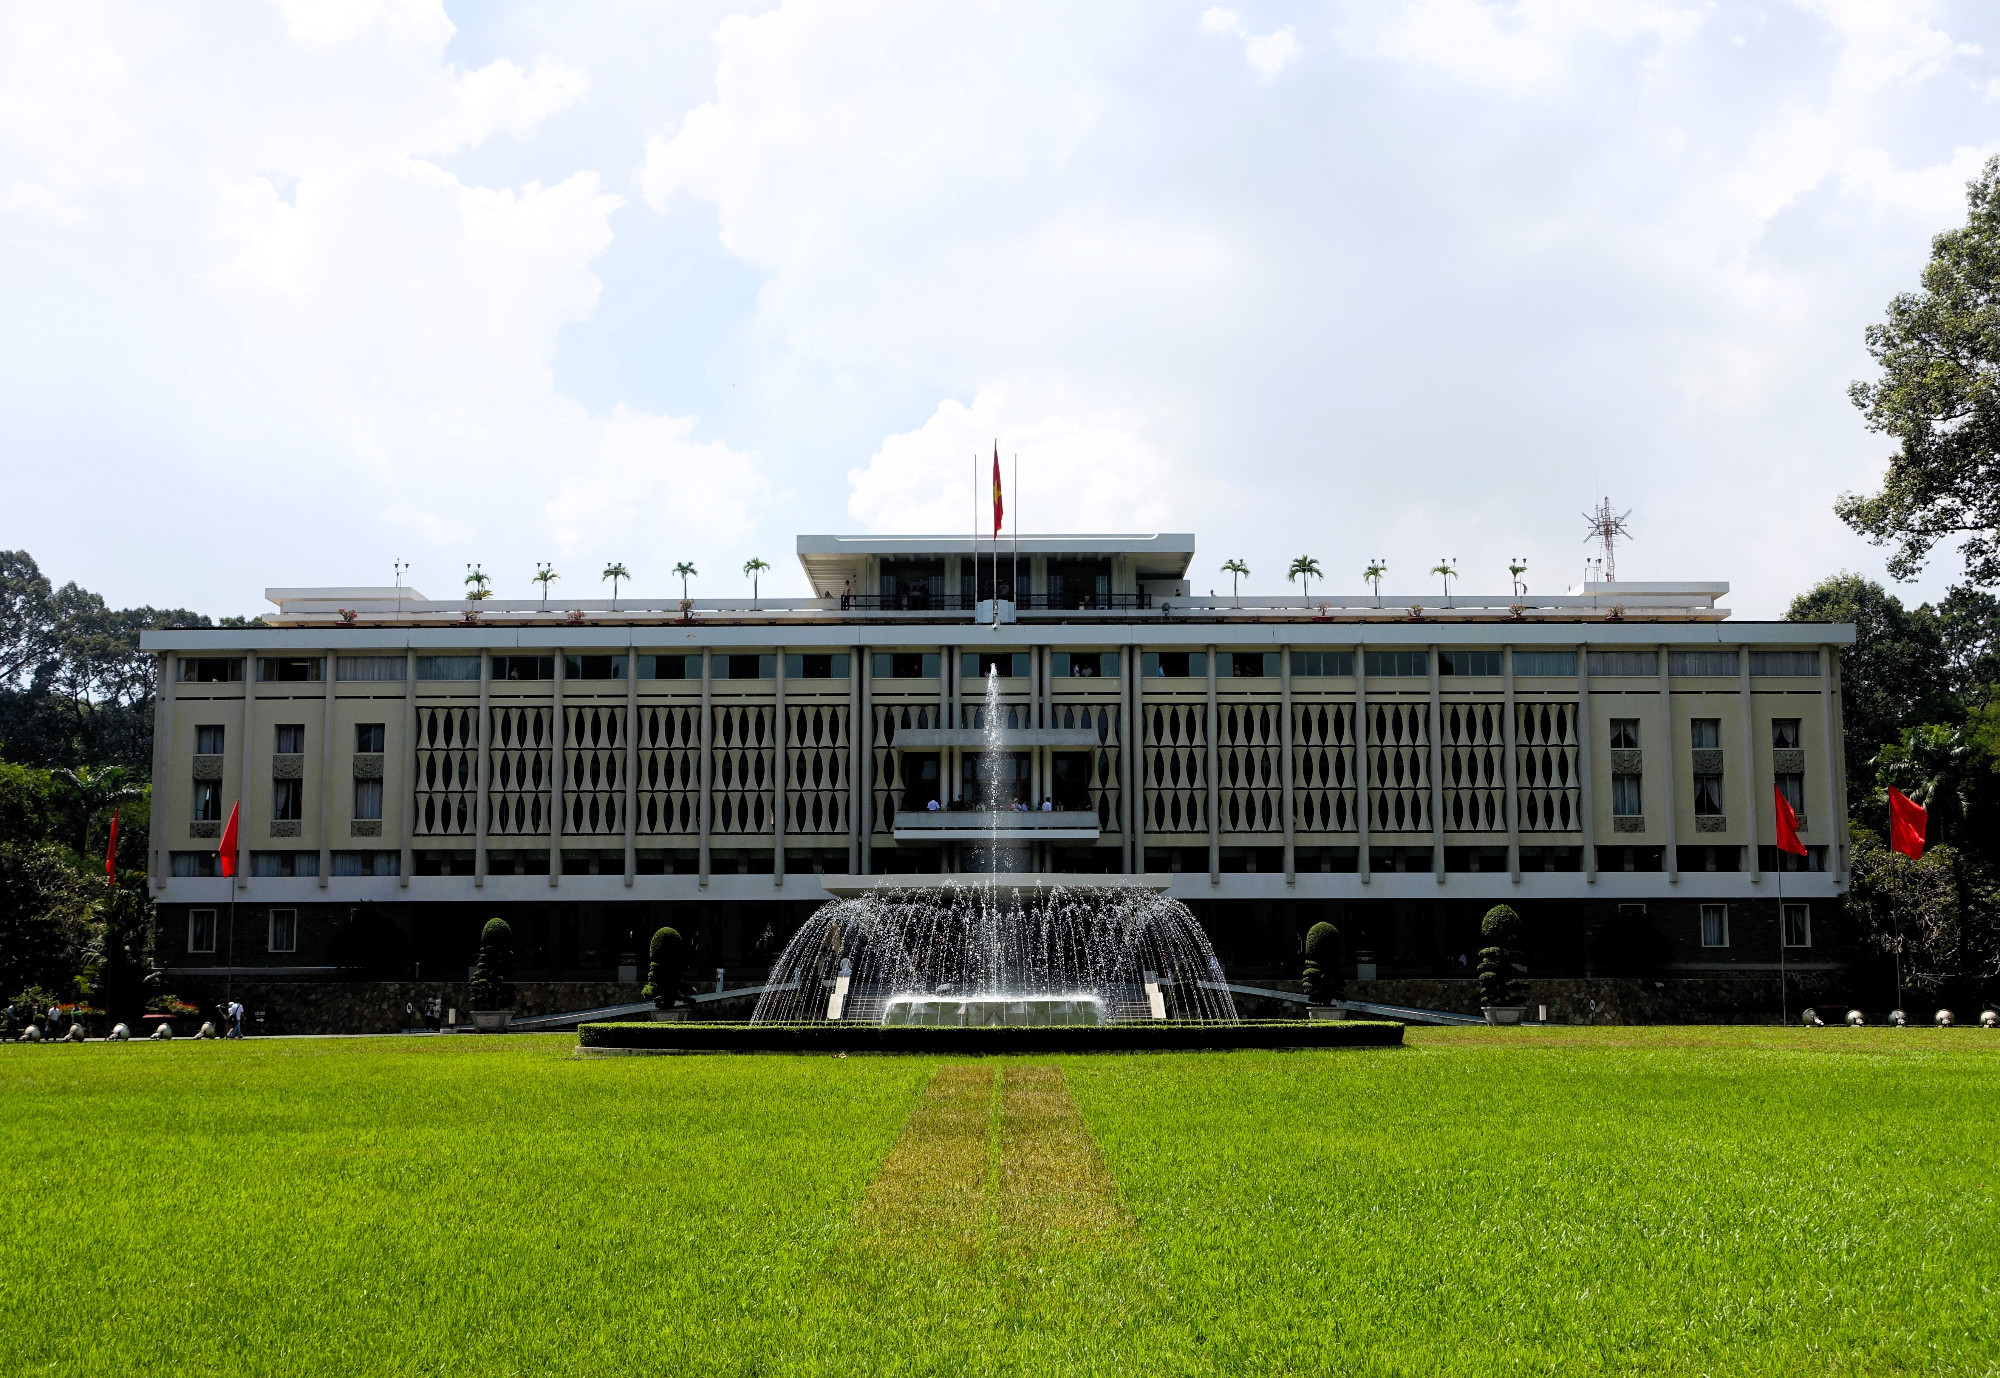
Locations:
(1607, 526)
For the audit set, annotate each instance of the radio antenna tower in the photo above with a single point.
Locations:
(1607, 526)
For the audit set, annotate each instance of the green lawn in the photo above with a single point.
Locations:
(1625, 1201)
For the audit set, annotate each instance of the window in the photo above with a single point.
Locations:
(593, 667)
(919, 771)
(669, 667)
(1708, 795)
(1173, 664)
(290, 669)
(1623, 662)
(193, 864)
(1246, 664)
(1705, 734)
(1469, 663)
(1545, 663)
(751, 666)
(912, 584)
(1406, 664)
(1701, 662)
(368, 738)
(288, 800)
(816, 665)
(367, 800)
(1625, 801)
(201, 930)
(1792, 784)
(1798, 925)
(467, 667)
(284, 863)
(284, 930)
(1624, 734)
(1084, 665)
(384, 669)
(1715, 925)
(207, 807)
(972, 665)
(508, 668)
(208, 741)
(211, 669)
(1784, 734)
(1323, 664)
(367, 863)
(1804, 664)
(1769, 858)
(291, 739)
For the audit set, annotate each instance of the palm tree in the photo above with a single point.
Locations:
(477, 579)
(1444, 569)
(1373, 575)
(1235, 569)
(614, 573)
(1305, 569)
(543, 574)
(753, 567)
(1517, 569)
(94, 789)
(686, 572)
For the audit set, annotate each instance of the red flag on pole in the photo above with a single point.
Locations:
(1788, 825)
(1908, 821)
(111, 853)
(226, 850)
(999, 508)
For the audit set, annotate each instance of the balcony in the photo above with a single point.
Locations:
(969, 825)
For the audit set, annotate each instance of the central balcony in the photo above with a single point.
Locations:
(976, 825)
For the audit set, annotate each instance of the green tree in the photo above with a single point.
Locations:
(45, 912)
(1447, 571)
(492, 986)
(1938, 398)
(1235, 569)
(753, 567)
(1891, 677)
(89, 794)
(545, 575)
(121, 953)
(1937, 917)
(666, 969)
(1305, 569)
(1325, 975)
(686, 571)
(615, 573)
(1373, 575)
(1503, 971)
(476, 579)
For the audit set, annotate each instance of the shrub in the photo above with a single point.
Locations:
(492, 986)
(1325, 982)
(666, 970)
(1503, 974)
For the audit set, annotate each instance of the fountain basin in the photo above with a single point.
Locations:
(1008, 1011)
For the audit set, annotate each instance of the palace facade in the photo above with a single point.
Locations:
(1603, 760)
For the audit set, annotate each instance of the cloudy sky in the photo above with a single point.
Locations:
(292, 290)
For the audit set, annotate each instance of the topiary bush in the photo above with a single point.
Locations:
(492, 984)
(1325, 981)
(1503, 970)
(666, 970)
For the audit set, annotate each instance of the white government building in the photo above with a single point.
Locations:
(1603, 760)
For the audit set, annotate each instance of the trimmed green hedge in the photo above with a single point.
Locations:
(1144, 1037)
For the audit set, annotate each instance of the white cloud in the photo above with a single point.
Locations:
(1514, 45)
(1268, 54)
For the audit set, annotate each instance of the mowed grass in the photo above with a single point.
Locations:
(1514, 1201)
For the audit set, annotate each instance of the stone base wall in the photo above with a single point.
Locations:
(352, 1007)
(1668, 1000)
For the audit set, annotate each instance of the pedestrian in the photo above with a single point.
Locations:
(13, 1019)
(54, 1019)
(235, 1012)
(409, 1016)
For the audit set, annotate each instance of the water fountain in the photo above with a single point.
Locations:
(976, 950)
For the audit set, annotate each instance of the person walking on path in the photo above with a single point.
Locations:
(235, 1012)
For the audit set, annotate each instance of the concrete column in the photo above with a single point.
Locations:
(1135, 759)
(1285, 758)
(1753, 796)
(166, 673)
(409, 790)
(1836, 835)
(1214, 784)
(558, 750)
(780, 775)
(1511, 800)
(707, 763)
(482, 806)
(1437, 770)
(853, 759)
(1830, 668)
(864, 740)
(1586, 795)
(1363, 867)
(1670, 860)
(327, 774)
(631, 764)
(251, 755)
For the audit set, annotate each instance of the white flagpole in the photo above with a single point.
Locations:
(1017, 530)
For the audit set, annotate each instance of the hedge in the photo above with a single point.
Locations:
(833, 1037)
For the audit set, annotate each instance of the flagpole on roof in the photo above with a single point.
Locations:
(1017, 530)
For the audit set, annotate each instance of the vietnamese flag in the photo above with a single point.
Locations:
(226, 851)
(1788, 825)
(1908, 821)
(999, 507)
(111, 853)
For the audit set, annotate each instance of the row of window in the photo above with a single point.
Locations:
(281, 931)
(200, 865)
(1705, 734)
(834, 665)
(1715, 925)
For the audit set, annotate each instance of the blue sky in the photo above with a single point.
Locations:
(294, 290)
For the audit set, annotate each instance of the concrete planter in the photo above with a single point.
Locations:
(1505, 1014)
(678, 1016)
(491, 1021)
(1326, 1012)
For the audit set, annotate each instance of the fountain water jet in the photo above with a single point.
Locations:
(973, 951)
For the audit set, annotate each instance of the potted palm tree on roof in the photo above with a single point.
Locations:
(544, 575)
(1235, 569)
(1304, 570)
(1447, 571)
(476, 580)
(615, 573)
(753, 567)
